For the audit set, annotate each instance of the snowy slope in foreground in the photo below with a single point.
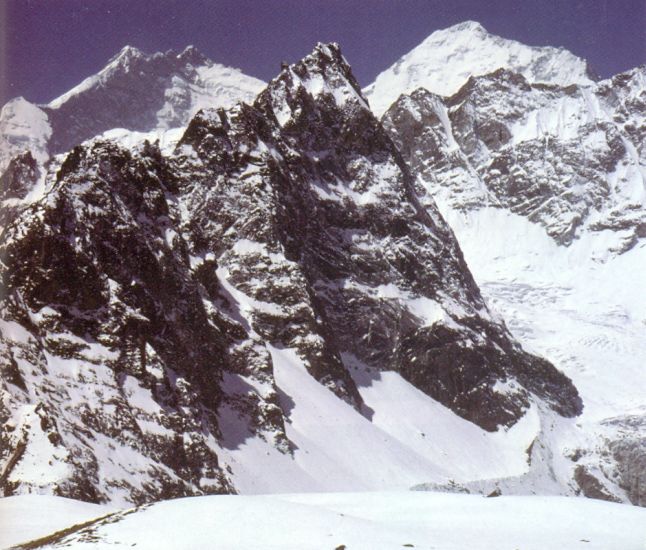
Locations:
(27, 517)
(448, 57)
(369, 521)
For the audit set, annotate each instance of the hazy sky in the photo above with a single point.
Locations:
(48, 46)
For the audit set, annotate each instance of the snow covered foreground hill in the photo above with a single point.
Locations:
(356, 521)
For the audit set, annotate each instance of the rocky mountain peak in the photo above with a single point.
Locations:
(192, 55)
(323, 74)
(329, 168)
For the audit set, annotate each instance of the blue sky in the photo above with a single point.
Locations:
(48, 46)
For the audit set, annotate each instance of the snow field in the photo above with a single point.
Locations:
(371, 521)
(27, 517)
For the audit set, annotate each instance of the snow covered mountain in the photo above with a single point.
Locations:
(257, 311)
(272, 292)
(135, 91)
(447, 58)
(545, 187)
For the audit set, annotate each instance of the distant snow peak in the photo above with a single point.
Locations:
(134, 91)
(445, 60)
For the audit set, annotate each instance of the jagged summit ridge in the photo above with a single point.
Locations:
(130, 58)
(447, 58)
(323, 73)
(146, 92)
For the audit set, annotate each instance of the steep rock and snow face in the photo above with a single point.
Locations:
(136, 91)
(557, 156)
(447, 58)
(625, 94)
(383, 279)
(18, 184)
(157, 310)
(19, 178)
(111, 369)
(544, 186)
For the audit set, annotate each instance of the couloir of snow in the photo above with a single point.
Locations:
(447, 58)
(369, 521)
(404, 438)
(28, 517)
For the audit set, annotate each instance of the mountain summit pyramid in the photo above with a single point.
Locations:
(447, 58)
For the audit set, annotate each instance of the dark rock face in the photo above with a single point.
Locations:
(15, 183)
(143, 295)
(544, 152)
(626, 94)
(117, 310)
(19, 177)
(341, 206)
(628, 449)
(590, 486)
